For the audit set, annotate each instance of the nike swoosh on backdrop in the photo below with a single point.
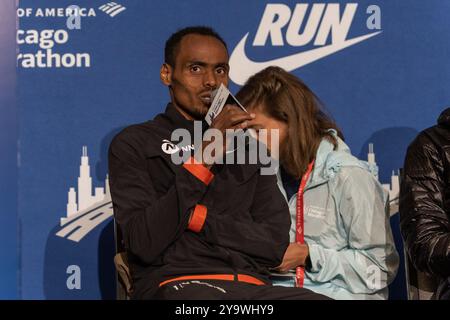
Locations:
(242, 67)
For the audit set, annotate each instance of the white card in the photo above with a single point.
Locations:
(222, 97)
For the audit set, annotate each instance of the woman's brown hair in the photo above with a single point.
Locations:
(286, 98)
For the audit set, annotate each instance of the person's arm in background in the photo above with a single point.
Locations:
(370, 261)
(150, 222)
(424, 224)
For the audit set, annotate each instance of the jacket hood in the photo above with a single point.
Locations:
(329, 161)
(444, 118)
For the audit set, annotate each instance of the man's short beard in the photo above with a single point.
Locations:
(198, 113)
(194, 113)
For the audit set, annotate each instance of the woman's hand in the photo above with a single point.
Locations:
(294, 256)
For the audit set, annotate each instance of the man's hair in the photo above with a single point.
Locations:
(173, 43)
(285, 97)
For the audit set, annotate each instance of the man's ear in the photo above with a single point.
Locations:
(166, 74)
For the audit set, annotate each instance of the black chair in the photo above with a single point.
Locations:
(123, 275)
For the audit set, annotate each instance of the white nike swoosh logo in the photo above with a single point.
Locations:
(242, 67)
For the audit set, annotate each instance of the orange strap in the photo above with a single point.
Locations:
(198, 218)
(198, 170)
(226, 277)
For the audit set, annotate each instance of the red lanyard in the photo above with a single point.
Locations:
(300, 233)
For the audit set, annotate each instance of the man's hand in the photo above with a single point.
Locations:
(231, 117)
(294, 257)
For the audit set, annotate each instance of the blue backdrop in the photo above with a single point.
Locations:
(381, 90)
(8, 153)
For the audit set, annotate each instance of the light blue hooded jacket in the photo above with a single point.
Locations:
(347, 229)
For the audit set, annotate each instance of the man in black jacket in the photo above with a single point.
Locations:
(196, 231)
(425, 202)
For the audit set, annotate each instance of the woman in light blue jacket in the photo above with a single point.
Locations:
(341, 241)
